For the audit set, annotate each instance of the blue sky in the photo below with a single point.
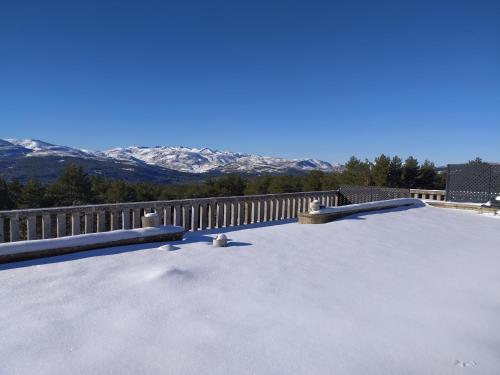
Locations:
(322, 79)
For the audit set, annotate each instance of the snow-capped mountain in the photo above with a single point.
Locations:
(202, 160)
(182, 159)
(34, 147)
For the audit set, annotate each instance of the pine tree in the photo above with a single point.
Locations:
(146, 192)
(440, 180)
(380, 171)
(72, 188)
(356, 172)
(100, 186)
(330, 181)
(477, 160)
(5, 197)
(312, 181)
(282, 184)
(15, 187)
(231, 185)
(410, 172)
(172, 192)
(120, 191)
(427, 176)
(394, 178)
(258, 185)
(32, 195)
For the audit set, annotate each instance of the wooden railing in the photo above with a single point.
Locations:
(436, 195)
(192, 214)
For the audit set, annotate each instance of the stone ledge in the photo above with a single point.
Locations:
(26, 255)
(464, 206)
(326, 217)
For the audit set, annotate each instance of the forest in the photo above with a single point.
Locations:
(76, 187)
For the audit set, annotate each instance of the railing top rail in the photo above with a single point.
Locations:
(426, 191)
(153, 204)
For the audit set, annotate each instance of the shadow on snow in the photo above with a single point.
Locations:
(202, 237)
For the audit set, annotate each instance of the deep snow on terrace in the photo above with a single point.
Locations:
(402, 291)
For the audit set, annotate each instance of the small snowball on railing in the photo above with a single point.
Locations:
(220, 241)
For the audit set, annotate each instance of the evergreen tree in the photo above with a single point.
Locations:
(195, 191)
(477, 160)
(312, 181)
(72, 188)
(427, 176)
(100, 186)
(410, 172)
(146, 192)
(440, 180)
(231, 185)
(258, 185)
(330, 181)
(395, 172)
(5, 196)
(120, 191)
(380, 171)
(169, 192)
(15, 187)
(356, 172)
(32, 195)
(283, 184)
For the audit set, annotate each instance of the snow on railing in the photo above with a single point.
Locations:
(192, 214)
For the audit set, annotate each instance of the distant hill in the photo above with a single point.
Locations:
(28, 158)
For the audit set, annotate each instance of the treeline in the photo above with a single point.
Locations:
(75, 187)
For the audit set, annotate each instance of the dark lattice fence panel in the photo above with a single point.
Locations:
(475, 182)
(354, 194)
(361, 194)
(383, 193)
(495, 181)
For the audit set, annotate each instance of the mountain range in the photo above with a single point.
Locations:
(29, 158)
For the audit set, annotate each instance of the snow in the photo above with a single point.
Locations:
(370, 205)
(83, 239)
(36, 147)
(196, 160)
(400, 291)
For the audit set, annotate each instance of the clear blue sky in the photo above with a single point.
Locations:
(323, 79)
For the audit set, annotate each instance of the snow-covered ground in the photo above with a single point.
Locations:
(401, 291)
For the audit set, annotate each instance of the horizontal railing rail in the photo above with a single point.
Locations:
(192, 214)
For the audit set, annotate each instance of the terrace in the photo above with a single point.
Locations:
(404, 290)
(392, 285)
(98, 226)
